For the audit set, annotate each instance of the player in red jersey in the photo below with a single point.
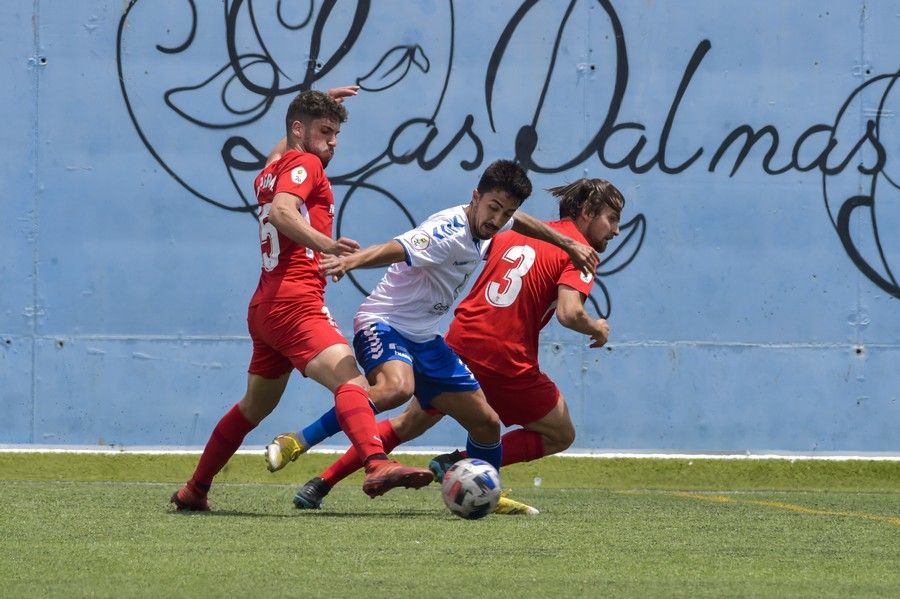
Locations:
(288, 321)
(495, 332)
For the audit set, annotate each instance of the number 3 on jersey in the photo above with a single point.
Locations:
(504, 294)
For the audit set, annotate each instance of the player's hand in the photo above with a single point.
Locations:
(342, 246)
(600, 334)
(339, 93)
(583, 257)
(332, 266)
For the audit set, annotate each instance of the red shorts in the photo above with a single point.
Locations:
(522, 399)
(288, 335)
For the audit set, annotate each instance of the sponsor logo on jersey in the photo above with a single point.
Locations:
(587, 277)
(298, 175)
(439, 309)
(420, 241)
(267, 182)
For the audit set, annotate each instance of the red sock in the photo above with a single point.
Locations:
(354, 414)
(521, 445)
(349, 463)
(223, 442)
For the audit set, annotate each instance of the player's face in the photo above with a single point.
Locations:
(320, 138)
(492, 210)
(602, 228)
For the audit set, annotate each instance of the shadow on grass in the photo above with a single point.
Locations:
(406, 513)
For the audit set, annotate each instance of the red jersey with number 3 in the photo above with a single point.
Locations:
(498, 323)
(290, 270)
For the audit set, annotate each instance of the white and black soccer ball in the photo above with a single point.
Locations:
(471, 488)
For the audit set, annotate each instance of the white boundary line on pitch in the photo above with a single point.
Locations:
(599, 454)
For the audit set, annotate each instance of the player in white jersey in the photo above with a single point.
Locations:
(414, 295)
(397, 339)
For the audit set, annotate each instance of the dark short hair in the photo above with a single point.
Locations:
(310, 105)
(505, 175)
(592, 194)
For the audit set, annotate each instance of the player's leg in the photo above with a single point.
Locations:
(391, 385)
(268, 374)
(388, 366)
(471, 410)
(408, 425)
(532, 401)
(556, 430)
(260, 399)
(336, 369)
(444, 383)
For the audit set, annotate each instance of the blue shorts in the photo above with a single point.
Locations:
(436, 367)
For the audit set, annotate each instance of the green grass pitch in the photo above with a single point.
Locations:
(78, 525)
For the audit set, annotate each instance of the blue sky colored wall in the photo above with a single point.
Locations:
(752, 295)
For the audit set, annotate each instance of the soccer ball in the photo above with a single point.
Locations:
(471, 489)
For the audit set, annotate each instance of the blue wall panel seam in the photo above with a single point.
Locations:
(35, 63)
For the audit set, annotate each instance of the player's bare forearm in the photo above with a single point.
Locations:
(571, 314)
(382, 254)
(583, 257)
(286, 218)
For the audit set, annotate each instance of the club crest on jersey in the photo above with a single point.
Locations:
(298, 175)
(587, 277)
(420, 241)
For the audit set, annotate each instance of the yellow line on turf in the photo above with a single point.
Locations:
(785, 506)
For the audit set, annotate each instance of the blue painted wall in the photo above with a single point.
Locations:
(753, 294)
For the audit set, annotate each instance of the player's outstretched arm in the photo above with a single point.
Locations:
(286, 218)
(583, 257)
(382, 254)
(571, 314)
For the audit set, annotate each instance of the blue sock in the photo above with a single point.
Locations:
(326, 426)
(492, 453)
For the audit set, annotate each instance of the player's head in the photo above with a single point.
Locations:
(501, 190)
(595, 205)
(313, 121)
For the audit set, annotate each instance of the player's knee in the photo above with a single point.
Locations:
(487, 427)
(560, 439)
(391, 393)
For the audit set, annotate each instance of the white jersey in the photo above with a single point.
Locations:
(441, 254)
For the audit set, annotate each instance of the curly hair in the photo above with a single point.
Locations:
(589, 194)
(310, 105)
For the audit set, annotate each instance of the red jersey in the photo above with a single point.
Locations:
(290, 270)
(497, 325)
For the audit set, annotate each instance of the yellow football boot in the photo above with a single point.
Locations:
(511, 507)
(284, 448)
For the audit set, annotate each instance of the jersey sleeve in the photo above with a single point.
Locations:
(300, 176)
(424, 249)
(575, 279)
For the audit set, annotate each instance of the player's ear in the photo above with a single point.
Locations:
(475, 196)
(297, 129)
